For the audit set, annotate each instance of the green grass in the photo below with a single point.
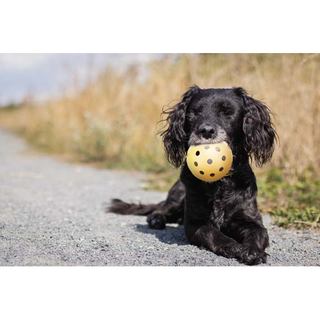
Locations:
(291, 203)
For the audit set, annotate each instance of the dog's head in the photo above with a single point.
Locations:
(207, 116)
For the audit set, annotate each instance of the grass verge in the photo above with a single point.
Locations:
(294, 204)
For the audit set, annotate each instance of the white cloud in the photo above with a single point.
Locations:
(48, 75)
(22, 61)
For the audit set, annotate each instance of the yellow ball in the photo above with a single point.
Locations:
(209, 162)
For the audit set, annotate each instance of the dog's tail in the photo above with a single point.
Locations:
(121, 207)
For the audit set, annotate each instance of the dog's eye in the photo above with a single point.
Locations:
(226, 111)
(194, 112)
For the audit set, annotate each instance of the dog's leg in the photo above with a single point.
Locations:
(211, 238)
(254, 238)
(172, 209)
(168, 211)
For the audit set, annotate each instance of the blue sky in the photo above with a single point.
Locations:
(43, 76)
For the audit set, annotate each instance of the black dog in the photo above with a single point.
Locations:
(220, 216)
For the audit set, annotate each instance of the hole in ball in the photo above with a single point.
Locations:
(218, 149)
(209, 161)
(212, 174)
(207, 147)
(223, 158)
(197, 153)
(221, 169)
(201, 172)
(196, 163)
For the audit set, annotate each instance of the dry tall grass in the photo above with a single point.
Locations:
(114, 119)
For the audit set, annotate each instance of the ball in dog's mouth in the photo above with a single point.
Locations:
(210, 162)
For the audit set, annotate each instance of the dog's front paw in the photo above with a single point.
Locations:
(253, 256)
(156, 221)
(229, 250)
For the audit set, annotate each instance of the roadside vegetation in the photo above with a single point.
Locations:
(112, 122)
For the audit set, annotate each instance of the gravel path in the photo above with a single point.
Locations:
(51, 214)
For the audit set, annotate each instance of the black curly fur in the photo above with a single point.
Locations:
(174, 137)
(259, 132)
(119, 206)
(222, 216)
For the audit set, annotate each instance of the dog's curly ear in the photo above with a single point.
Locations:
(260, 135)
(174, 137)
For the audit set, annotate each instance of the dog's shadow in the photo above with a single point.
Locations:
(169, 235)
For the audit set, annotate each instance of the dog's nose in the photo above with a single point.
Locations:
(206, 130)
